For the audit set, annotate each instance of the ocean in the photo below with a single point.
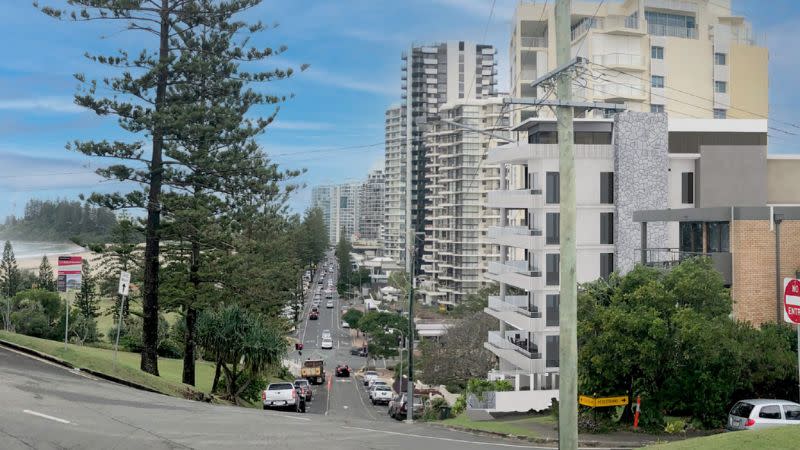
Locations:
(33, 249)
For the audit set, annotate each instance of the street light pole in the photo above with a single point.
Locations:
(410, 390)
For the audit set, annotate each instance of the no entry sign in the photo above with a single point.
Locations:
(791, 300)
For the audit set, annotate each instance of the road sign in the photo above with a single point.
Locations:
(791, 300)
(124, 283)
(69, 273)
(602, 402)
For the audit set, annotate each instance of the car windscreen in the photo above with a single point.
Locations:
(742, 409)
(383, 388)
(280, 386)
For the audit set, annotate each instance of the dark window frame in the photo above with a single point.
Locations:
(552, 269)
(607, 228)
(552, 228)
(607, 188)
(687, 188)
(553, 188)
(552, 304)
(606, 265)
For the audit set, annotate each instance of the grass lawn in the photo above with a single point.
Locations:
(518, 426)
(781, 438)
(105, 321)
(101, 360)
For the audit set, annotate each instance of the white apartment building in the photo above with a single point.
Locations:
(394, 217)
(457, 252)
(324, 198)
(371, 210)
(690, 58)
(340, 205)
(633, 162)
(432, 75)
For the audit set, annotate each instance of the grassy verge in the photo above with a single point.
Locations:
(518, 426)
(101, 360)
(781, 438)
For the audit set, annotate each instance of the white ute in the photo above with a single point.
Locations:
(282, 395)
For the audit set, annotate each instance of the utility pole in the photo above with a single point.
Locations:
(568, 307)
(410, 389)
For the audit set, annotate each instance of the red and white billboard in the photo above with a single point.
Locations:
(69, 273)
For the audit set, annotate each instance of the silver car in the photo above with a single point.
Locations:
(762, 413)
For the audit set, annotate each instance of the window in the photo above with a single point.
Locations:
(606, 264)
(607, 228)
(687, 188)
(657, 81)
(720, 113)
(552, 276)
(718, 236)
(770, 412)
(551, 347)
(656, 108)
(607, 187)
(552, 233)
(791, 412)
(690, 236)
(461, 45)
(551, 309)
(553, 187)
(720, 87)
(656, 52)
(720, 59)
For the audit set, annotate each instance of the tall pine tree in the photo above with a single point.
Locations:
(86, 300)
(10, 276)
(46, 281)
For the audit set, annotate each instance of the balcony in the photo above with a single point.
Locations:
(520, 152)
(516, 311)
(534, 41)
(655, 29)
(515, 199)
(525, 356)
(515, 273)
(670, 257)
(528, 75)
(624, 25)
(613, 91)
(519, 237)
(620, 61)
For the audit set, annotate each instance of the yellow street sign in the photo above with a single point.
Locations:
(602, 402)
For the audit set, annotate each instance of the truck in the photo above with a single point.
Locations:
(283, 395)
(313, 370)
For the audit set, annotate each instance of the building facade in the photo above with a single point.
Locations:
(341, 206)
(433, 75)
(632, 163)
(457, 252)
(371, 206)
(690, 58)
(394, 217)
(324, 198)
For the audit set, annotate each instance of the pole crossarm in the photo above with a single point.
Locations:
(559, 70)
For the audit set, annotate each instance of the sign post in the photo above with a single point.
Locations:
(791, 309)
(69, 279)
(123, 290)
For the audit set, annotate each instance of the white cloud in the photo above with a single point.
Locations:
(299, 125)
(362, 83)
(21, 172)
(52, 104)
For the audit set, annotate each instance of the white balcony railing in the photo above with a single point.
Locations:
(619, 59)
(514, 303)
(534, 41)
(519, 267)
(495, 232)
(497, 339)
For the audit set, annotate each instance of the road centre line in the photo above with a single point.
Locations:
(45, 416)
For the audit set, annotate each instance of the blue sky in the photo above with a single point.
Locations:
(353, 48)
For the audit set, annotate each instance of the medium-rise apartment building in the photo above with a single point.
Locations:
(636, 166)
(432, 75)
(371, 210)
(457, 252)
(689, 58)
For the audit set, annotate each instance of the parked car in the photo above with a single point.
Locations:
(327, 344)
(342, 370)
(381, 394)
(328, 294)
(345, 324)
(282, 395)
(369, 376)
(313, 316)
(375, 382)
(756, 414)
(329, 304)
(398, 407)
(305, 387)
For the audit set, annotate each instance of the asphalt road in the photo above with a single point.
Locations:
(45, 406)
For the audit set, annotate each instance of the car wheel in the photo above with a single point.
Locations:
(264, 406)
(373, 403)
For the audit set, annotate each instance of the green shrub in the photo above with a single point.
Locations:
(168, 348)
(675, 426)
(459, 405)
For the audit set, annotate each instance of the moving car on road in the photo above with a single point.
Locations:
(326, 334)
(329, 304)
(369, 376)
(342, 370)
(763, 413)
(327, 344)
(282, 395)
(381, 394)
(304, 387)
(358, 351)
(313, 370)
(313, 316)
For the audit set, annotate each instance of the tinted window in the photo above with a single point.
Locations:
(607, 228)
(742, 409)
(607, 187)
(770, 412)
(687, 187)
(280, 386)
(551, 308)
(553, 188)
(551, 343)
(791, 412)
(553, 269)
(552, 231)
(606, 264)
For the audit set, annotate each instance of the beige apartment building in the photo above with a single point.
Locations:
(689, 58)
(457, 251)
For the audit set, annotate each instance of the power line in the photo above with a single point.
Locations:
(485, 30)
(585, 36)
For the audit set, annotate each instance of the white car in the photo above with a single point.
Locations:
(329, 304)
(375, 382)
(326, 334)
(369, 376)
(327, 344)
(345, 324)
(763, 413)
(381, 394)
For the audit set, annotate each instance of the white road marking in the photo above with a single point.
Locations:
(495, 444)
(286, 416)
(45, 416)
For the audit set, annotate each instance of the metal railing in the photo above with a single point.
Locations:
(619, 59)
(655, 29)
(486, 401)
(496, 339)
(518, 267)
(534, 41)
(586, 25)
(670, 257)
(495, 232)
(514, 303)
